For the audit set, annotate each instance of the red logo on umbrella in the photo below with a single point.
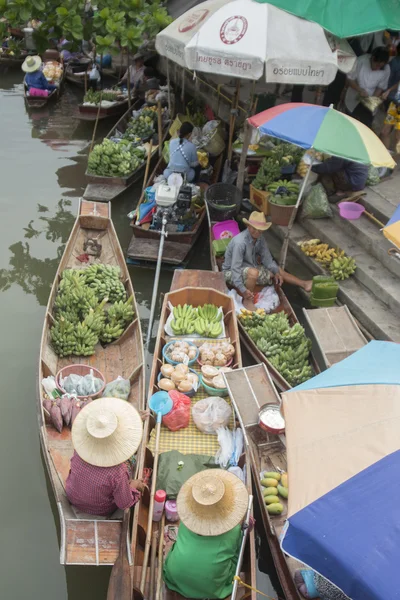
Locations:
(196, 17)
(233, 29)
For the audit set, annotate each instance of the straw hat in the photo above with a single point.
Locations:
(107, 432)
(257, 220)
(31, 64)
(212, 502)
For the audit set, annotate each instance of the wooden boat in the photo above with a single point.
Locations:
(91, 113)
(249, 389)
(143, 247)
(87, 539)
(76, 72)
(107, 189)
(209, 292)
(11, 62)
(251, 347)
(36, 102)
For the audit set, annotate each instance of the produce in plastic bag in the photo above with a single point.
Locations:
(226, 447)
(211, 413)
(179, 415)
(119, 388)
(49, 385)
(70, 383)
(82, 386)
(373, 175)
(316, 204)
(55, 417)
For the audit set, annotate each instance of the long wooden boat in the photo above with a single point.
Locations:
(251, 347)
(11, 62)
(75, 73)
(204, 288)
(92, 112)
(250, 389)
(143, 247)
(35, 102)
(107, 189)
(87, 539)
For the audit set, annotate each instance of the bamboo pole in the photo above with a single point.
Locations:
(96, 123)
(159, 119)
(146, 173)
(160, 558)
(233, 121)
(153, 555)
(183, 87)
(169, 89)
(129, 81)
(243, 156)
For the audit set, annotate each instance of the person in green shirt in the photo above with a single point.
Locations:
(202, 562)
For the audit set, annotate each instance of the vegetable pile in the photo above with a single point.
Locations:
(281, 155)
(142, 126)
(91, 306)
(287, 348)
(203, 320)
(115, 159)
(284, 192)
(339, 265)
(93, 97)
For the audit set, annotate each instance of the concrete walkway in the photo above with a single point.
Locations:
(373, 292)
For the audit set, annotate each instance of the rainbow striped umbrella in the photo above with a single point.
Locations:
(324, 129)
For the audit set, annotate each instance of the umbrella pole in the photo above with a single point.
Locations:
(169, 90)
(159, 120)
(183, 87)
(285, 245)
(243, 156)
(233, 120)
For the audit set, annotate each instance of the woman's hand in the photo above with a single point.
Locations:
(138, 484)
(144, 414)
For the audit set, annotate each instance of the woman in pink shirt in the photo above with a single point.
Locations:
(105, 435)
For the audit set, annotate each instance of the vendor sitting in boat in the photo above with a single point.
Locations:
(202, 562)
(34, 77)
(183, 155)
(105, 435)
(248, 261)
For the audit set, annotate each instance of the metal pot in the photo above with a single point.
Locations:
(268, 410)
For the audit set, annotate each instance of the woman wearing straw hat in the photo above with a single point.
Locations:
(34, 77)
(202, 562)
(248, 261)
(105, 434)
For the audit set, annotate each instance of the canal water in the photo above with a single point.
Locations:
(42, 163)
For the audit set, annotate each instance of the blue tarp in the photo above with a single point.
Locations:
(351, 534)
(377, 362)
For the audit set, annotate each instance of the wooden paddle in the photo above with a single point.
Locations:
(120, 584)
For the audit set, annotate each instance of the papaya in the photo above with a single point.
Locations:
(275, 509)
(270, 499)
(284, 480)
(272, 475)
(283, 491)
(270, 491)
(269, 482)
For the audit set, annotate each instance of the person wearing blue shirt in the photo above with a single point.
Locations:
(392, 94)
(183, 155)
(34, 77)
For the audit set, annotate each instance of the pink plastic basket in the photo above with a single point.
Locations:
(225, 230)
(350, 210)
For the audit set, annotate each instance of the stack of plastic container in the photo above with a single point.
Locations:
(324, 291)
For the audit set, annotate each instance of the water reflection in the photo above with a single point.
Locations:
(35, 275)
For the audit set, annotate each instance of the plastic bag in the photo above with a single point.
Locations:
(49, 385)
(119, 388)
(211, 413)
(179, 415)
(82, 386)
(373, 176)
(267, 299)
(316, 204)
(226, 447)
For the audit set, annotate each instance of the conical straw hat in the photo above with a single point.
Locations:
(107, 432)
(212, 502)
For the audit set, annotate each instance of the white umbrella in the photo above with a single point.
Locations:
(242, 38)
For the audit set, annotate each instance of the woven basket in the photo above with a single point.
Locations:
(80, 370)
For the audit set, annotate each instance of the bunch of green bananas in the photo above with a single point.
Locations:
(205, 328)
(63, 338)
(341, 268)
(105, 281)
(183, 321)
(209, 312)
(291, 186)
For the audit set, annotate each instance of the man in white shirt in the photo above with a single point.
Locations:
(369, 77)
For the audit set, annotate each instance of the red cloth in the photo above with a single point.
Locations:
(99, 490)
(36, 92)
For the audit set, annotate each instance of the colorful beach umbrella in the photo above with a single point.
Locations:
(324, 129)
(345, 18)
(343, 451)
(392, 229)
(244, 39)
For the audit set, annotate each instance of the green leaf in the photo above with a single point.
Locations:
(62, 11)
(105, 13)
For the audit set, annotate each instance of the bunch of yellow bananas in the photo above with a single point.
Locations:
(322, 253)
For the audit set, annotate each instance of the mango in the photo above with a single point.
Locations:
(275, 509)
(270, 499)
(284, 480)
(269, 482)
(272, 475)
(270, 491)
(283, 491)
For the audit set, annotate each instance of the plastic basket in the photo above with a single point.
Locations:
(80, 370)
(214, 391)
(169, 360)
(223, 201)
(322, 302)
(280, 214)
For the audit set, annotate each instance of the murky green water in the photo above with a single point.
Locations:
(42, 164)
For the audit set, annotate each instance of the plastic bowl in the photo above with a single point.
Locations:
(190, 394)
(173, 362)
(271, 410)
(350, 210)
(213, 391)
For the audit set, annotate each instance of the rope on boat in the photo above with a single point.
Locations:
(252, 589)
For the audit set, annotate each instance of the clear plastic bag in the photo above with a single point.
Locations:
(211, 413)
(70, 384)
(226, 447)
(179, 415)
(316, 204)
(82, 386)
(119, 388)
